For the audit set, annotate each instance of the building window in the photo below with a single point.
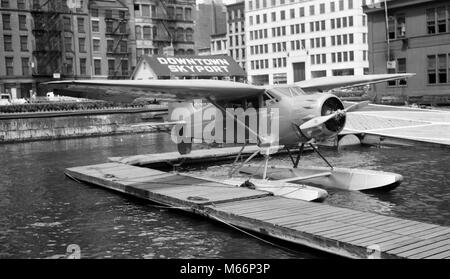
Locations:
(431, 21)
(179, 13)
(313, 59)
(333, 23)
(109, 27)
(352, 55)
(5, 4)
(96, 43)
(95, 26)
(97, 67)
(364, 38)
(302, 12)
(350, 21)
(123, 47)
(274, 16)
(21, 4)
(23, 43)
(108, 14)
(94, 12)
(69, 65)
(322, 8)
(431, 62)
(80, 21)
(350, 4)
(67, 24)
(322, 25)
(155, 32)
(441, 20)
(22, 22)
(124, 66)
(332, 7)
(25, 66)
(292, 12)
(9, 63)
(138, 31)
(111, 67)
(7, 42)
(82, 44)
(145, 11)
(68, 43)
(401, 68)
(401, 26)
(147, 32)
(187, 14)
(82, 66)
(341, 5)
(311, 10)
(442, 68)
(6, 21)
(190, 35)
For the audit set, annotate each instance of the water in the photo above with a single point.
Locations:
(42, 211)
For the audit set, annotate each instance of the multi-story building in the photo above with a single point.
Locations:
(210, 19)
(417, 41)
(236, 32)
(40, 40)
(219, 44)
(164, 23)
(290, 41)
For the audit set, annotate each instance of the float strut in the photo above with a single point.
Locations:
(315, 149)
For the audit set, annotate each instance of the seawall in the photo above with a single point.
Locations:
(68, 124)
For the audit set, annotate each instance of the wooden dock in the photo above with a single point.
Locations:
(336, 230)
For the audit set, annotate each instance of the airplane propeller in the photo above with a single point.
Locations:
(317, 121)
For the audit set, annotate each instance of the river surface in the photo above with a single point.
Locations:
(42, 211)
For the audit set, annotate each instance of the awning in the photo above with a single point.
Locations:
(191, 65)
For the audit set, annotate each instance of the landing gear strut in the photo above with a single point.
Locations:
(299, 154)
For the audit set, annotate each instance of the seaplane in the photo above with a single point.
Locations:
(306, 114)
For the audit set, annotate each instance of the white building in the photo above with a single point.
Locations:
(293, 40)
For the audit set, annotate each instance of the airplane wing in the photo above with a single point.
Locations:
(334, 82)
(128, 90)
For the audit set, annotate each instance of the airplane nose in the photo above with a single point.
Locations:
(331, 105)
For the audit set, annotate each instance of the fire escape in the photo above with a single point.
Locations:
(47, 31)
(165, 20)
(117, 43)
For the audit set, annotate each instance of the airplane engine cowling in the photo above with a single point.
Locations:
(316, 105)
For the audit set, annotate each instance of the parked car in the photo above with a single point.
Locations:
(5, 99)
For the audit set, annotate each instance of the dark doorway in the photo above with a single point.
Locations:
(299, 71)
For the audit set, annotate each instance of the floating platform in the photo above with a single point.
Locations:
(341, 231)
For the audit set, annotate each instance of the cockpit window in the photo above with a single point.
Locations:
(289, 91)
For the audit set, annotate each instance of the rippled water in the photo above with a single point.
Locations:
(42, 211)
